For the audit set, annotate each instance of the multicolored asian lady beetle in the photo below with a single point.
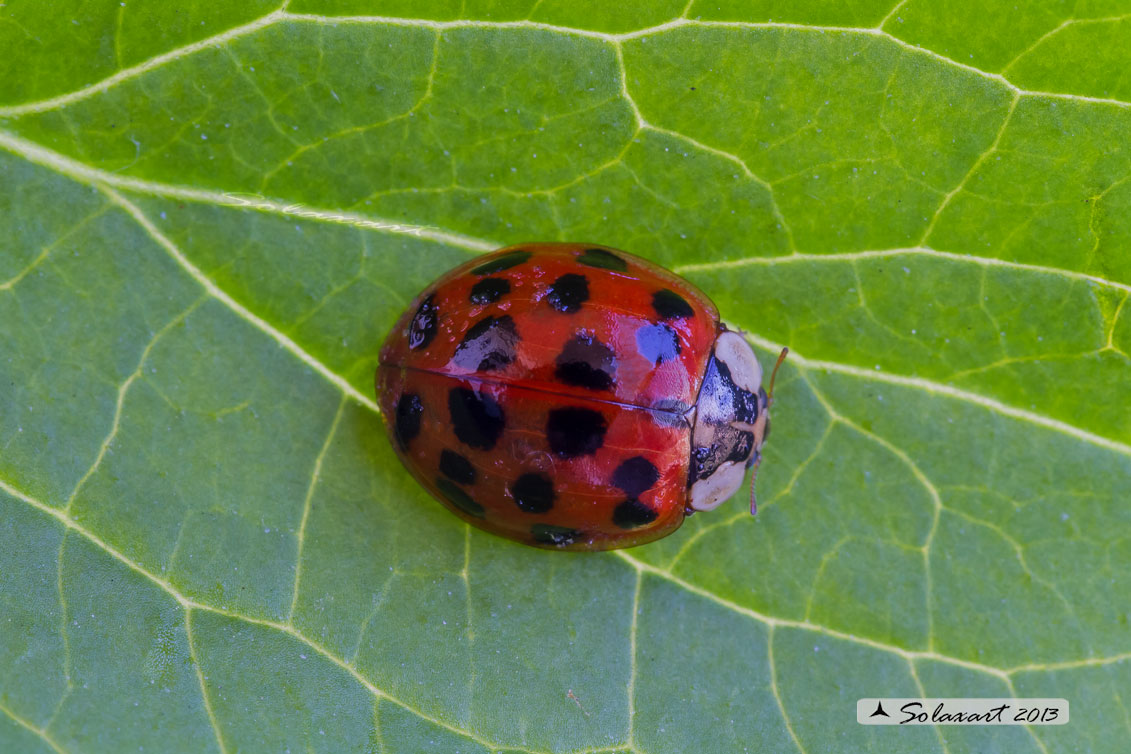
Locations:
(572, 397)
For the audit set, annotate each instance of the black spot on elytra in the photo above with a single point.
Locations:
(606, 260)
(657, 343)
(533, 493)
(456, 467)
(574, 431)
(501, 262)
(477, 419)
(671, 305)
(459, 498)
(424, 324)
(407, 423)
(489, 290)
(633, 513)
(568, 293)
(488, 345)
(554, 535)
(586, 362)
(635, 475)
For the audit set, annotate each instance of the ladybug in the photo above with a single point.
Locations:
(571, 396)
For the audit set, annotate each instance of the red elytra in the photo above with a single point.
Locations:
(571, 396)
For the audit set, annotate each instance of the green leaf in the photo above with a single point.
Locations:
(206, 543)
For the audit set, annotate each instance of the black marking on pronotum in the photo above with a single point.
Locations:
(670, 305)
(459, 498)
(721, 400)
(489, 290)
(657, 343)
(605, 260)
(554, 535)
(533, 493)
(477, 418)
(488, 345)
(501, 262)
(742, 447)
(704, 460)
(574, 431)
(635, 475)
(728, 444)
(586, 362)
(456, 467)
(406, 425)
(568, 293)
(633, 513)
(424, 324)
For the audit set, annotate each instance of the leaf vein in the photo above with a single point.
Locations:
(281, 14)
(239, 309)
(936, 388)
(134, 71)
(633, 631)
(42, 733)
(977, 163)
(123, 389)
(770, 620)
(203, 686)
(927, 484)
(315, 475)
(914, 251)
(290, 630)
(82, 173)
(776, 692)
(189, 604)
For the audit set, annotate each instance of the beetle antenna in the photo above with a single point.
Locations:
(753, 499)
(774, 374)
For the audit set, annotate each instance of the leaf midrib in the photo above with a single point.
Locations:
(105, 182)
(368, 403)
